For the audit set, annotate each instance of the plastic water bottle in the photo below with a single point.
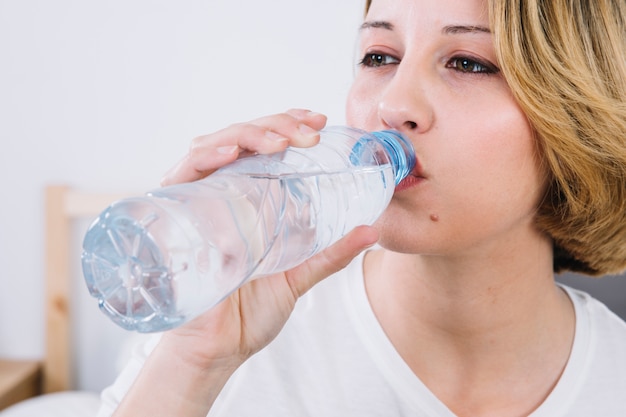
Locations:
(157, 261)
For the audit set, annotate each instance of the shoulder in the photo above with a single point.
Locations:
(593, 381)
(603, 322)
(604, 335)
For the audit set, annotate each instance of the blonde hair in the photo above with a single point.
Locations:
(565, 62)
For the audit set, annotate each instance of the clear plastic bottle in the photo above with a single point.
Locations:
(157, 261)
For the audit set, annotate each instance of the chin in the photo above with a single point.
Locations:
(395, 236)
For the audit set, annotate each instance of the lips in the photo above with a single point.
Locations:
(416, 177)
(410, 181)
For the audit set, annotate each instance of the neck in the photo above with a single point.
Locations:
(493, 323)
(459, 295)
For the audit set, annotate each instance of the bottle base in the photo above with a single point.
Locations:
(124, 269)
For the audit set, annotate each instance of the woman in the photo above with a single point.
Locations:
(516, 112)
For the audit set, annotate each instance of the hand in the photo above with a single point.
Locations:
(252, 316)
(191, 364)
(266, 135)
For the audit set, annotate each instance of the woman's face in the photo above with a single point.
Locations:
(429, 69)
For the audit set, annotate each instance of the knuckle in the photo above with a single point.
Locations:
(196, 143)
(196, 153)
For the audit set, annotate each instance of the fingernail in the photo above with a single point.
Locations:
(274, 136)
(226, 150)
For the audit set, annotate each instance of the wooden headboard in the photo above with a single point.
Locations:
(63, 205)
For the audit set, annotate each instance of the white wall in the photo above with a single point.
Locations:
(107, 95)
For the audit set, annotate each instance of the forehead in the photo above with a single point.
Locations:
(407, 14)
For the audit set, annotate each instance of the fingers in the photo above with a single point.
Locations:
(331, 260)
(270, 134)
(304, 133)
(200, 163)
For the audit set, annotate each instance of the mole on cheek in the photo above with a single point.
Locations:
(434, 217)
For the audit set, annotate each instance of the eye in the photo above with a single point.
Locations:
(374, 60)
(471, 66)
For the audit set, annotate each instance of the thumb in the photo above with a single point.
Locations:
(336, 257)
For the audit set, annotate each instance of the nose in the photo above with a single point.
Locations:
(405, 105)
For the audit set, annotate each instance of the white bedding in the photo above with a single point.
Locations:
(82, 403)
(62, 404)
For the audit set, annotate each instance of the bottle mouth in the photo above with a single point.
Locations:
(400, 151)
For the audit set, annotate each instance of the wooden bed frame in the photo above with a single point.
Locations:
(63, 206)
(20, 379)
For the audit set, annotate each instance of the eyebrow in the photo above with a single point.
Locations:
(447, 30)
(456, 29)
(377, 24)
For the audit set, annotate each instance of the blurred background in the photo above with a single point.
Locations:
(106, 96)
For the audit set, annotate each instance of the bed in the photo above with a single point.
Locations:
(47, 388)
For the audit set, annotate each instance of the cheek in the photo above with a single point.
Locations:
(361, 106)
(482, 158)
(504, 164)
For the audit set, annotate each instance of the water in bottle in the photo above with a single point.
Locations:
(157, 261)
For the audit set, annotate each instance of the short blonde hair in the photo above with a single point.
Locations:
(565, 62)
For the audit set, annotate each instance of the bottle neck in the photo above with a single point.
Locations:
(400, 150)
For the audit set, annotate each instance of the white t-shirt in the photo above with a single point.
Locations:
(333, 359)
